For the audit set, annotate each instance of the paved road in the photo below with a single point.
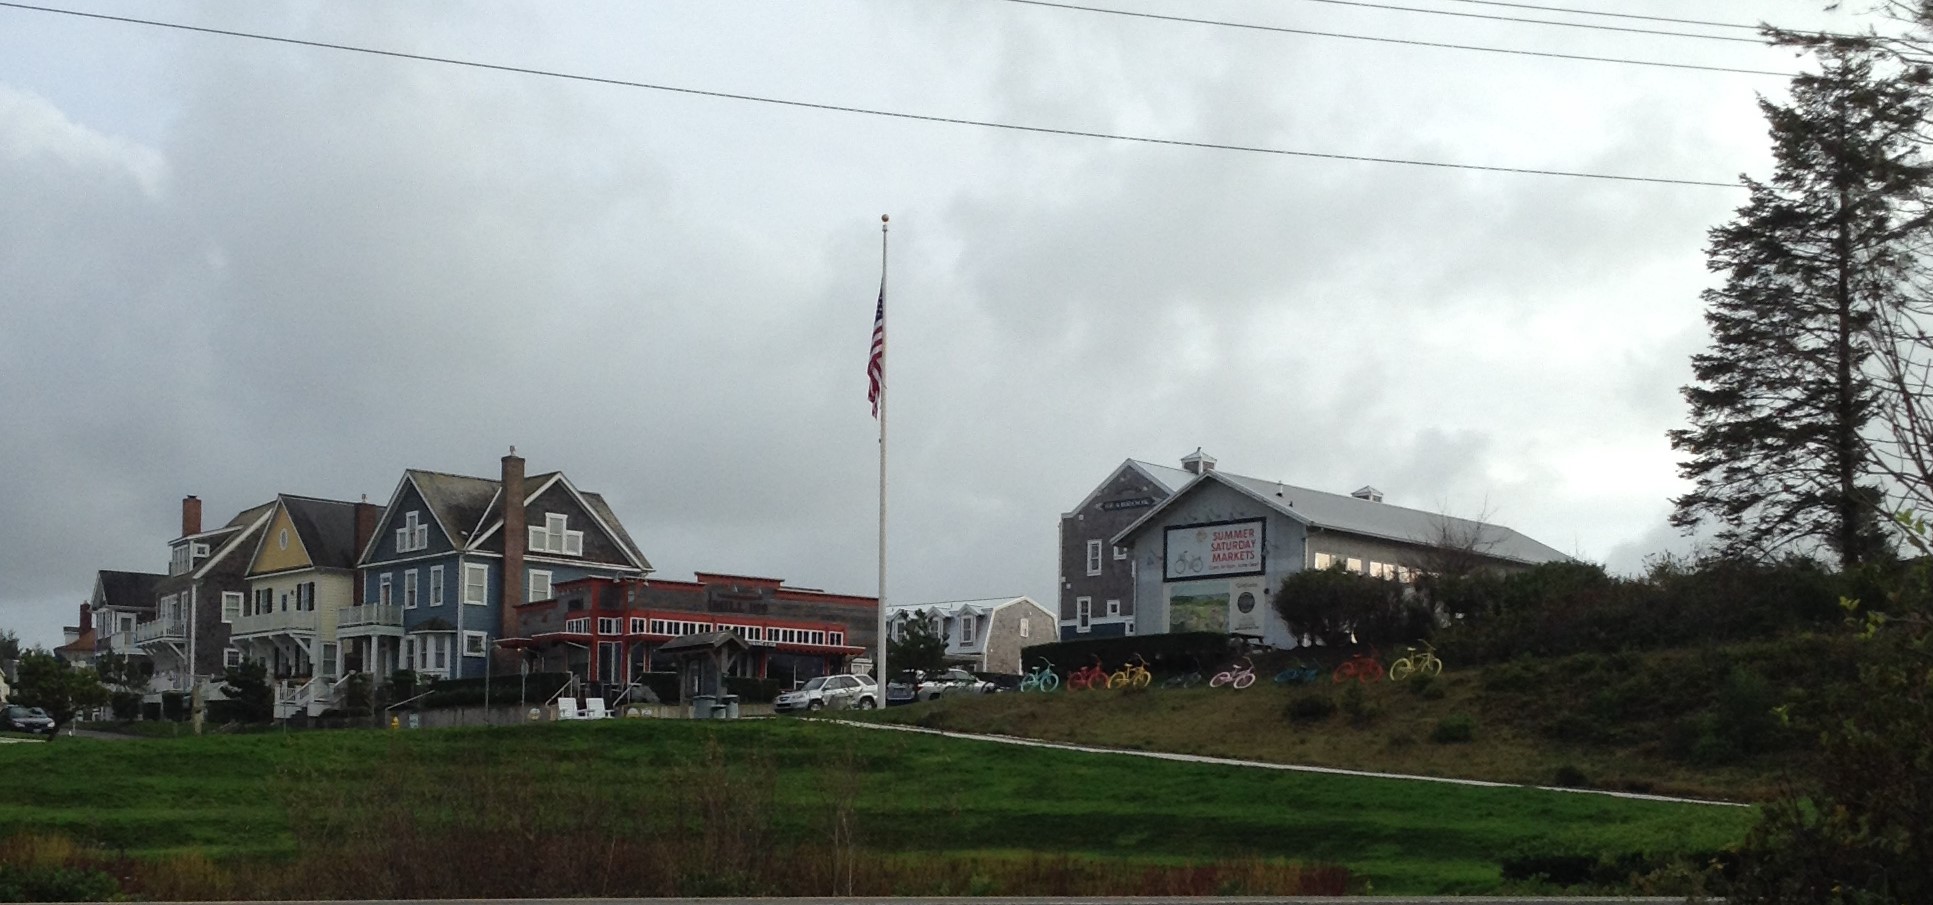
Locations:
(1297, 768)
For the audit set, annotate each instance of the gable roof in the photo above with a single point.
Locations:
(327, 529)
(239, 528)
(457, 502)
(125, 590)
(1168, 479)
(1350, 515)
(593, 504)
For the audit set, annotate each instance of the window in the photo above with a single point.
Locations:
(413, 535)
(1113, 608)
(328, 665)
(476, 583)
(1324, 560)
(1023, 626)
(539, 585)
(476, 644)
(411, 660)
(231, 606)
(1094, 557)
(124, 622)
(1130, 626)
(555, 536)
(305, 596)
(282, 540)
(382, 594)
(439, 652)
(178, 559)
(637, 625)
(608, 625)
(578, 626)
(1083, 612)
(966, 628)
(1120, 552)
(409, 589)
(264, 602)
(1355, 565)
(436, 586)
(231, 657)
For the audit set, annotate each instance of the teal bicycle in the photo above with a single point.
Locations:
(1042, 678)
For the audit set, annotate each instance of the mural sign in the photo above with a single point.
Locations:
(1198, 607)
(1215, 550)
(1247, 605)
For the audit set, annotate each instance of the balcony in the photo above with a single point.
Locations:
(161, 630)
(288, 622)
(370, 619)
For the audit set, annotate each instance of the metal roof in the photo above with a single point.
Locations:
(1348, 514)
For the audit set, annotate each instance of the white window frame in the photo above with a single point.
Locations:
(414, 534)
(1094, 557)
(637, 625)
(383, 590)
(610, 625)
(1355, 565)
(1324, 561)
(231, 606)
(1120, 552)
(231, 657)
(530, 590)
(1083, 613)
(476, 574)
(1113, 609)
(476, 644)
(436, 586)
(967, 624)
(1025, 624)
(555, 536)
(409, 589)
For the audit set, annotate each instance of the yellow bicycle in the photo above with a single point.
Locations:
(1417, 663)
(1133, 675)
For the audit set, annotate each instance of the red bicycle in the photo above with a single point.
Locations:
(1092, 676)
(1363, 668)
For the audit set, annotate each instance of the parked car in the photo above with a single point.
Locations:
(15, 718)
(935, 685)
(838, 692)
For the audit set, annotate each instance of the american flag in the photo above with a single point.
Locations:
(876, 365)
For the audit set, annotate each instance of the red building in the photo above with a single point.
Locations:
(607, 630)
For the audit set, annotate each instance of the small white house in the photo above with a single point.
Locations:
(983, 635)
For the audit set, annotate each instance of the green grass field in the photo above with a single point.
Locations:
(290, 803)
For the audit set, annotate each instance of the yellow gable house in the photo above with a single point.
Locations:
(303, 573)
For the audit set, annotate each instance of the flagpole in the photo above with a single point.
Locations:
(884, 676)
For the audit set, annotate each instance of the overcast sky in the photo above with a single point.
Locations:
(232, 268)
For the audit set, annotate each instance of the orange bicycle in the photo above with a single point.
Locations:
(1091, 676)
(1363, 668)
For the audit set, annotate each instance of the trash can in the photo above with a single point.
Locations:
(701, 706)
(731, 707)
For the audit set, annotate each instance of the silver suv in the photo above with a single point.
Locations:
(840, 692)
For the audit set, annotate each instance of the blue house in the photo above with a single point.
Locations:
(453, 556)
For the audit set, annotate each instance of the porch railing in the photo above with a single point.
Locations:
(267, 623)
(369, 614)
(160, 630)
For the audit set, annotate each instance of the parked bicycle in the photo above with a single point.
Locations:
(1239, 675)
(1042, 678)
(1134, 674)
(1363, 668)
(1299, 673)
(1417, 663)
(1093, 675)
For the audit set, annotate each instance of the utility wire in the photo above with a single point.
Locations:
(1593, 12)
(1331, 34)
(1497, 18)
(1013, 127)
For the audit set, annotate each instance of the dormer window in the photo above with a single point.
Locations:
(413, 535)
(184, 556)
(555, 536)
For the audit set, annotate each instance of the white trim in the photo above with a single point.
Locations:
(1095, 562)
(1083, 614)
(482, 649)
(410, 600)
(530, 586)
(436, 585)
(239, 599)
(464, 595)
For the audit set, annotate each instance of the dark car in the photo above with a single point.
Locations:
(15, 718)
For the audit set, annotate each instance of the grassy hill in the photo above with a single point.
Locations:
(1695, 723)
(794, 807)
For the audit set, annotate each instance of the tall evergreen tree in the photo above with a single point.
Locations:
(1783, 400)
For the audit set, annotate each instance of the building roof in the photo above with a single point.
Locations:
(984, 603)
(125, 590)
(457, 502)
(327, 529)
(707, 641)
(1352, 515)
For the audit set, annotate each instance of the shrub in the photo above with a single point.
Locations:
(1457, 727)
(1356, 704)
(1570, 777)
(1310, 708)
(37, 883)
(126, 705)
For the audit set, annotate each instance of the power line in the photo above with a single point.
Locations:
(1497, 18)
(808, 105)
(1331, 34)
(1593, 12)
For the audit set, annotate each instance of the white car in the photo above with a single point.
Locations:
(838, 692)
(951, 682)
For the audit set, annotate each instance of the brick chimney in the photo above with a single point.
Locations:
(514, 538)
(190, 515)
(87, 617)
(366, 515)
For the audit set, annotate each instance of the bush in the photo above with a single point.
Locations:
(1356, 704)
(1456, 727)
(1310, 708)
(174, 705)
(533, 688)
(1570, 777)
(126, 705)
(40, 883)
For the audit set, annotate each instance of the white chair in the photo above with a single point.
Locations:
(594, 709)
(567, 708)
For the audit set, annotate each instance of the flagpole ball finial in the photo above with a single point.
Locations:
(883, 218)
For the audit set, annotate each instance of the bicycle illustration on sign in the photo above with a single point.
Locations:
(1187, 563)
